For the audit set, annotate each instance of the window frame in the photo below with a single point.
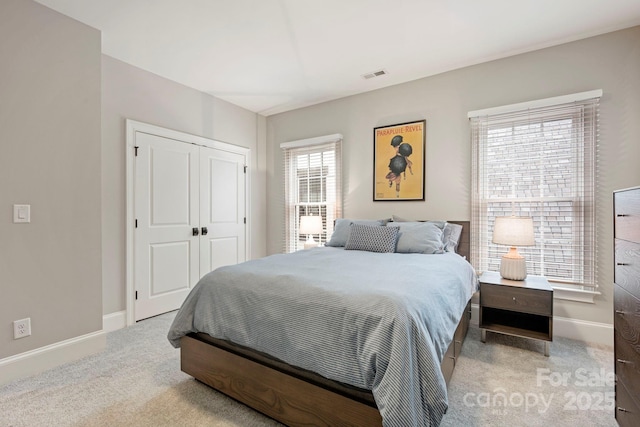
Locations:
(539, 112)
(328, 208)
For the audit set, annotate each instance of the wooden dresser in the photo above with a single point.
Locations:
(626, 207)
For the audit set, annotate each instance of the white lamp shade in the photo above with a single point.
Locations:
(513, 231)
(310, 224)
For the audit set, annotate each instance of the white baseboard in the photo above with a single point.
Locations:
(114, 321)
(583, 330)
(38, 360)
(575, 329)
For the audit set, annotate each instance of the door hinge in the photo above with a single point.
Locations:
(136, 295)
(245, 219)
(245, 168)
(136, 223)
(136, 148)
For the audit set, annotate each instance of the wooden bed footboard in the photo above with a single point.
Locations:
(292, 398)
(285, 398)
(290, 395)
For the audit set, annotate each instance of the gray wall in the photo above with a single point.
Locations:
(610, 62)
(50, 269)
(63, 152)
(131, 93)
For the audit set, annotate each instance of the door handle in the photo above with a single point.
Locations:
(204, 231)
(195, 231)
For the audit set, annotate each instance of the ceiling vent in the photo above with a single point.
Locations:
(374, 74)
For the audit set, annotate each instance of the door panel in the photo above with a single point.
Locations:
(169, 266)
(223, 191)
(166, 209)
(223, 251)
(222, 204)
(170, 186)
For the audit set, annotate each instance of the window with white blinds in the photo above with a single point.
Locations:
(312, 178)
(539, 160)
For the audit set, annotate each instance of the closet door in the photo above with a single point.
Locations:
(167, 211)
(222, 209)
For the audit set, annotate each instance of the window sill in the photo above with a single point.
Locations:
(569, 294)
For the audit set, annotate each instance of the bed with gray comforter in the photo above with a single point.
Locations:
(381, 322)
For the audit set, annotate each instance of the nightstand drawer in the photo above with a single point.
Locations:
(518, 299)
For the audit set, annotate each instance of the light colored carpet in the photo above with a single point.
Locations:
(137, 381)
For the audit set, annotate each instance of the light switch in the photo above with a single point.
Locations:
(21, 213)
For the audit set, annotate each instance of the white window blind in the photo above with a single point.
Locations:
(540, 162)
(312, 178)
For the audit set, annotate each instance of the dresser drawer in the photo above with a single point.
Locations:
(627, 266)
(627, 365)
(627, 410)
(518, 299)
(626, 317)
(626, 206)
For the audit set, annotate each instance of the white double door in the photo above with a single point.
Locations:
(190, 218)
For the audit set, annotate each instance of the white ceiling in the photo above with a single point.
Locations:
(270, 56)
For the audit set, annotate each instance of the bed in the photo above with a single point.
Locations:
(332, 336)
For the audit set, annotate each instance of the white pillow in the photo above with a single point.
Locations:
(451, 237)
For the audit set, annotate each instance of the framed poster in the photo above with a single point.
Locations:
(398, 161)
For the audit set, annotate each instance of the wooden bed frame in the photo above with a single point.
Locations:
(291, 395)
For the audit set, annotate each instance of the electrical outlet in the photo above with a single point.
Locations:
(21, 328)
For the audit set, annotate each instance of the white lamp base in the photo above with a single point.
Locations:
(310, 243)
(513, 268)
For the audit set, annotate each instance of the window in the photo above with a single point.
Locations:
(538, 160)
(312, 172)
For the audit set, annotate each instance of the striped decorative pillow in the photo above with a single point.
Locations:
(372, 238)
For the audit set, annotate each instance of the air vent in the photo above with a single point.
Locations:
(374, 74)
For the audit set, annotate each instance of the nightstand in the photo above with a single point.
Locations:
(523, 308)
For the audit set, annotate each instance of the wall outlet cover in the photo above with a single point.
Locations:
(21, 328)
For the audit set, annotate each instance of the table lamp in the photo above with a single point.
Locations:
(309, 225)
(513, 231)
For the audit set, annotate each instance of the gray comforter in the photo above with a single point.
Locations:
(376, 321)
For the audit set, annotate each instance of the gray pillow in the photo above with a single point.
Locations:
(450, 236)
(396, 218)
(342, 229)
(369, 238)
(419, 237)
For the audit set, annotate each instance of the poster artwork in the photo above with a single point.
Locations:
(398, 161)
